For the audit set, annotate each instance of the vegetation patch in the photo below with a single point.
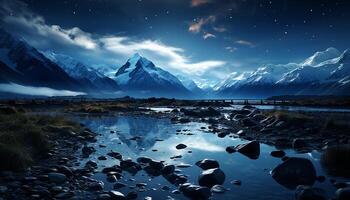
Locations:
(25, 138)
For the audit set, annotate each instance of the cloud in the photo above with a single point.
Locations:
(245, 43)
(219, 29)
(231, 49)
(98, 48)
(195, 3)
(36, 91)
(197, 26)
(208, 35)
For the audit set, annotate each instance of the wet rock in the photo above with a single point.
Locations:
(309, 193)
(195, 192)
(3, 189)
(278, 153)
(184, 120)
(223, 134)
(57, 177)
(87, 150)
(91, 164)
(144, 160)
(294, 172)
(103, 196)
(298, 143)
(181, 146)
(236, 182)
(207, 164)
(241, 133)
(247, 122)
(250, 149)
(258, 117)
(211, 177)
(218, 189)
(230, 149)
(340, 185)
(130, 166)
(168, 169)
(115, 195)
(96, 186)
(165, 188)
(111, 178)
(118, 185)
(115, 155)
(131, 195)
(64, 195)
(102, 158)
(175, 178)
(183, 165)
(343, 193)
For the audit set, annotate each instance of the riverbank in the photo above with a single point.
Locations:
(64, 161)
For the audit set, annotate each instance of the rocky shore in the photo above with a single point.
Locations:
(58, 174)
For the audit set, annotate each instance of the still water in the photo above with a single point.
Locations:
(158, 141)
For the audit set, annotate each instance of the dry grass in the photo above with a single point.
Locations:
(23, 138)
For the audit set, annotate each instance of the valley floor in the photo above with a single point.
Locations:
(54, 149)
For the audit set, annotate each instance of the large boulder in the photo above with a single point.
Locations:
(343, 193)
(195, 192)
(211, 177)
(208, 164)
(294, 172)
(57, 177)
(130, 166)
(250, 149)
(309, 193)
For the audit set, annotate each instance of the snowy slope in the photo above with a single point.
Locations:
(325, 72)
(140, 74)
(81, 72)
(23, 64)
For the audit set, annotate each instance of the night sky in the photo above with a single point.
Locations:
(206, 39)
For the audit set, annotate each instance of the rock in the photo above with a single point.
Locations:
(130, 166)
(247, 122)
(87, 150)
(218, 189)
(144, 160)
(103, 196)
(91, 164)
(340, 185)
(294, 172)
(102, 158)
(278, 153)
(207, 164)
(230, 149)
(241, 133)
(111, 178)
(298, 143)
(118, 185)
(343, 193)
(168, 169)
(181, 146)
(211, 177)
(183, 165)
(96, 186)
(309, 193)
(195, 192)
(250, 149)
(236, 182)
(115, 155)
(223, 134)
(131, 195)
(3, 189)
(115, 195)
(165, 188)
(57, 177)
(258, 117)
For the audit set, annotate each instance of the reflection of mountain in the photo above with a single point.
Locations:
(147, 128)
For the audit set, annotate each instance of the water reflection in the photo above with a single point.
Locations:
(157, 138)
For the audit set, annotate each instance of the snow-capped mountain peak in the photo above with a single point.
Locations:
(321, 56)
(139, 73)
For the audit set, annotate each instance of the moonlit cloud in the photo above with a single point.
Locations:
(197, 26)
(208, 35)
(231, 49)
(103, 48)
(36, 91)
(195, 3)
(245, 43)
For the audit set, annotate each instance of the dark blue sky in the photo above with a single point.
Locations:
(237, 35)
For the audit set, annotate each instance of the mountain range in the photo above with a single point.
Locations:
(324, 73)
